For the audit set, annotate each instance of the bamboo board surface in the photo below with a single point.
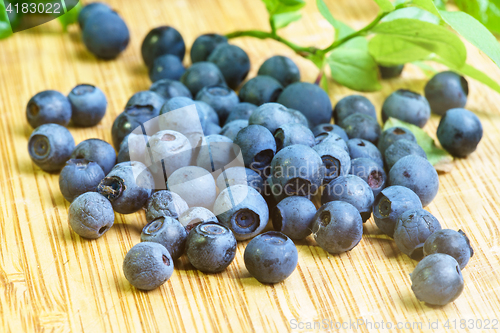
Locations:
(54, 281)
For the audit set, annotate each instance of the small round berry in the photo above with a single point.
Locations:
(91, 215)
(168, 232)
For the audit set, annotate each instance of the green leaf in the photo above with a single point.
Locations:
(428, 5)
(282, 20)
(318, 61)
(391, 51)
(440, 4)
(438, 157)
(341, 29)
(360, 43)
(412, 13)
(428, 36)
(70, 17)
(385, 5)
(283, 12)
(472, 30)
(5, 29)
(354, 68)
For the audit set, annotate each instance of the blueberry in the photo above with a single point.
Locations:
(170, 88)
(204, 45)
(241, 111)
(220, 98)
(437, 279)
(407, 106)
(371, 172)
(294, 216)
(195, 185)
(389, 72)
(170, 150)
(90, 215)
(335, 159)
(362, 148)
(166, 66)
(212, 129)
(412, 230)
(281, 68)
(79, 176)
(296, 170)
(274, 115)
(337, 227)
(418, 175)
(168, 232)
(132, 118)
(243, 210)
(98, 151)
(217, 152)
(128, 186)
(331, 138)
(351, 105)
(309, 99)
(148, 265)
(271, 257)
(351, 189)
(451, 242)
(207, 113)
(257, 146)
(400, 149)
(133, 147)
(202, 74)
(361, 126)
(88, 105)
(48, 107)
(162, 40)
(390, 204)
(196, 215)
(240, 176)
(146, 98)
(393, 134)
(260, 89)
(459, 132)
(165, 203)
(293, 134)
(232, 61)
(178, 114)
(327, 127)
(231, 129)
(105, 35)
(446, 90)
(90, 10)
(50, 146)
(210, 247)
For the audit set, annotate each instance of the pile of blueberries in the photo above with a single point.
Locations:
(180, 167)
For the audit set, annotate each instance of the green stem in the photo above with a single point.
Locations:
(264, 35)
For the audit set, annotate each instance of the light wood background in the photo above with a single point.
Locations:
(51, 280)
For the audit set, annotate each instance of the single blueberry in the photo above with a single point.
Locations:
(79, 176)
(217, 152)
(105, 35)
(166, 66)
(459, 132)
(98, 151)
(90, 215)
(50, 146)
(351, 105)
(390, 72)
(212, 129)
(293, 134)
(445, 91)
(148, 265)
(336, 160)
(128, 186)
(202, 74)
(331, 138)
(162, 40)
(371, 172)
(168, 151)
(241, 111)
(418, 175)
(165, 203)
(210, 247)
(260, 89)
(363, 148)
(204, 45)
(294, 217)
(281, 68)
(168, 232)
(274, 115)
(393, 134)
(390, 204)
(309, 99)
(170, 88)
(361, 126)
(195, 185)
(196, 215)
(327, 128)
(88, 105)
(407, 106)
(90, 10)
(220, 98)
(337, 227)
(451, 242)
(400, 149)
(271, 257)
(437, 279)
(232, 61)
(257, 146)
(232, 128)
(48, 107)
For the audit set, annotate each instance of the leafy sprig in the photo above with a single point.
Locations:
(404, 31)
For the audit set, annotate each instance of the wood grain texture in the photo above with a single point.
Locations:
(54, 281)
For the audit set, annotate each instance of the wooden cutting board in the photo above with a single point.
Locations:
(51, 280)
